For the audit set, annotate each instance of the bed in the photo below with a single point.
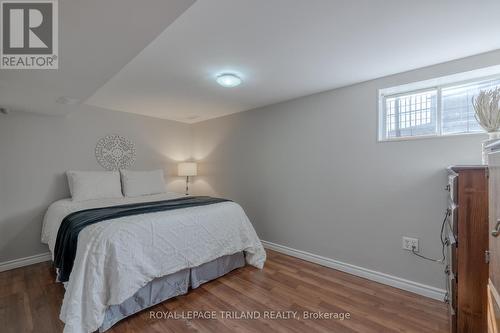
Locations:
(126, 264)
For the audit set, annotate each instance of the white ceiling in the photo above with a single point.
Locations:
(160, 57)
(289, 48)
(96, 39)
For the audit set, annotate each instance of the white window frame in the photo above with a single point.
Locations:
(438, 84)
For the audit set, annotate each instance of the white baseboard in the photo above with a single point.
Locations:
(21, 262)
(390, 280)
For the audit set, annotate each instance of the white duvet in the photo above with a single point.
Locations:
(116, 258)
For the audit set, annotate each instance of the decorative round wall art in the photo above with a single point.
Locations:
(114, 152)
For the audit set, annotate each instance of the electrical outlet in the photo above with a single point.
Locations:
(409, 243)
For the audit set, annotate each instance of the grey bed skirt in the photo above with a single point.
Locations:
(169, 286)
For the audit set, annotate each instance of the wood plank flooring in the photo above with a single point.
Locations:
(30, 301)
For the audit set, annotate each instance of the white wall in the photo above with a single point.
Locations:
(36, 150)
(311, 175)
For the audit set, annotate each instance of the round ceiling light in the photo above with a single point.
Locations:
(228, 80)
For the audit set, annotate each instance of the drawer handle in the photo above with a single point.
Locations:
(496, 231)
(447, 188)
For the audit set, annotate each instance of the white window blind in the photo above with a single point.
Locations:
(436, 111)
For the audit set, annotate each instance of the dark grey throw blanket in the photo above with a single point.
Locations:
(67, 236)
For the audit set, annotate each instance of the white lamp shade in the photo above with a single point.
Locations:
(188, 169)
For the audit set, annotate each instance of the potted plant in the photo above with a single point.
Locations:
(487, 113)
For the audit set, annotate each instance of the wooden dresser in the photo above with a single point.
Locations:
(467, 243)
(494, 238)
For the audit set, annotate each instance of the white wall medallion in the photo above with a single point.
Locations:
(114, 152)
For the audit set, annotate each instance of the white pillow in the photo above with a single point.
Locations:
(87, 185)
(137, 183)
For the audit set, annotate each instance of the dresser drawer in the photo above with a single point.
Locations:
(452, 259)
(454, 294)
(452, 219)
(451, 247)
(452, 289)
(452, 307)
(452, 187)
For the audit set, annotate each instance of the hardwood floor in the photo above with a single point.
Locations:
(30, 301)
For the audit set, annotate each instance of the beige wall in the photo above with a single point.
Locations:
(36, 150)
(311, 175)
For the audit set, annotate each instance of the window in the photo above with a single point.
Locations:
(442, 109)
(411, 114)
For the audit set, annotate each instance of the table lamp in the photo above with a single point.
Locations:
(187, 169)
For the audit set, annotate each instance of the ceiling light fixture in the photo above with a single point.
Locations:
(228, 80)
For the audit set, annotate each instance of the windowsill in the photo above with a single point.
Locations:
(426, 137)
